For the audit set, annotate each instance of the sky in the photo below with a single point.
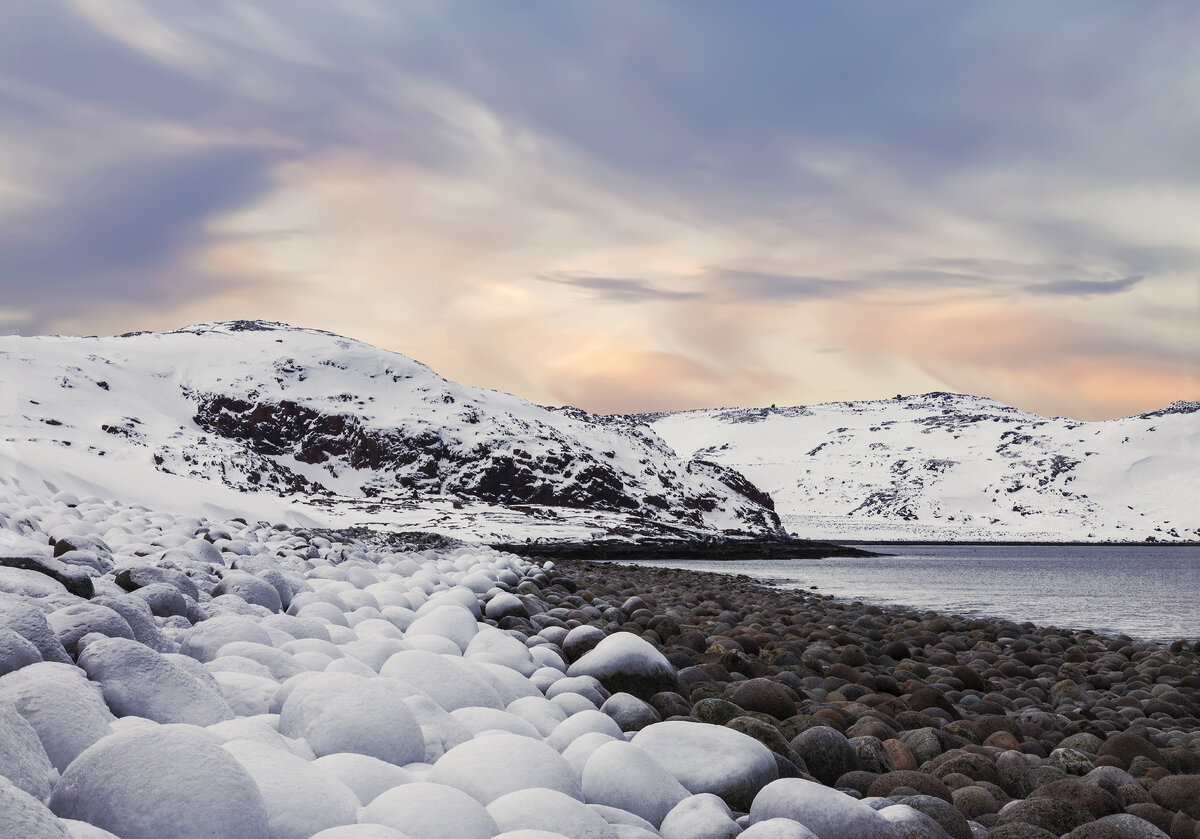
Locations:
(627, 206)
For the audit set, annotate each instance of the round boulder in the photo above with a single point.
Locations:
(151, 782)
(826, 812)
(709, 758)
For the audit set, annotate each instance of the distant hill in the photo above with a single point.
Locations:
(951, 467)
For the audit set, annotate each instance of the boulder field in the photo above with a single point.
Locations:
(226, 678)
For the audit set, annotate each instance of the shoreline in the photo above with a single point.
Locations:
(723, 549)
(987, 714)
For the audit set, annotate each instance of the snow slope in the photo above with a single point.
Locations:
(946, 466)
(262, 419)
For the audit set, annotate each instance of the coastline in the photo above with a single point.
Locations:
(986, 714)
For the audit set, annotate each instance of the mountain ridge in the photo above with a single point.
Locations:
(264, 415)
(334, 426)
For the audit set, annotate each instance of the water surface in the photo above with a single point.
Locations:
(1149, 592)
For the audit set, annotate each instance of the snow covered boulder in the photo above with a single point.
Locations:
(140, 618)
(826, 812)
(205, 639)
(505, 605)
(451, 682)
(367, 776)
(547, 809)
(25, 619)
(361, 831)
(620, 775)
(71, 623)
(83, 830)
(342, 712)
(581, 723)
(22, 815)
(710, 758)
(22, 758)
(448, 621)
(425, 810)
(137, 681)
(489, 767)
(777, 829)
(301, 798)
(157, 781)
(16, 652)
(703, 816)
(65, 709)
(250, 588)
(623, 662)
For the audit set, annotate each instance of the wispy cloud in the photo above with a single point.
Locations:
(1086, 288)
(621, 289)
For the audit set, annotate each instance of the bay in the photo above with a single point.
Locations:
(1146, 592)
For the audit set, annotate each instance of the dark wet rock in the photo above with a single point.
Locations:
(670, 704)
(765, 696)
(715, 711)
(1095, 830)
(1020, 830)
(1055, 815)
(919, 782)
(974, 801)
(871, 755)
(1097, 801)
(925, 743)
(1158, 816)
(1125, 747)
(1132, 827)
(977, 767)
(857, 780)
(581, 640)
(826, 752)
(1178, 793)
(764, 733)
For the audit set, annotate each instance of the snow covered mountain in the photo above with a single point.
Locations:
(262, 419)
(951, 467)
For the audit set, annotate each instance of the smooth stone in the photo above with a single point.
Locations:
(489, 767)
(703, 816)
(826, 812)
(24, 817)
(621, 775)
(539, 808)
(341, 712)
(623, 662)
(367, 776)
(137, 681)
(23, 760)
(66, 710)
(424, 810)
(708, 758)
(301, 798)
(158, 781)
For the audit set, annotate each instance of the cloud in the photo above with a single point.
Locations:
(439, 176)
(121, 233)
(621, 289)
(1086, 288)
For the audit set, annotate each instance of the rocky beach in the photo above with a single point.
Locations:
(166, 675)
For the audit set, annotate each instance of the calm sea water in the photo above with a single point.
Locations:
(1144, 592)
